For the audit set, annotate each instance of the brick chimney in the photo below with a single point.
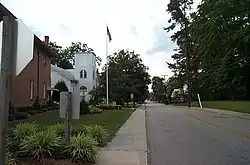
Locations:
(46, 40)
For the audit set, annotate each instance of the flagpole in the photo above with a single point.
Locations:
(107, 73)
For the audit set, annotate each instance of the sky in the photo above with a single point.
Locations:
(134, 25)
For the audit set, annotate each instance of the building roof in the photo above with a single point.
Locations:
(5, 12)
(86, 53)
(63, 72)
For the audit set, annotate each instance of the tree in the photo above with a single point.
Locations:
(220, 33)
(159, 89)
(180, 20)
(127, 74)
(66, 57)
(61, 86)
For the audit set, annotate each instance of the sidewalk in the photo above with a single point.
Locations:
(129, 147)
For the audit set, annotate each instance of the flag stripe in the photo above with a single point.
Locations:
(109, 35)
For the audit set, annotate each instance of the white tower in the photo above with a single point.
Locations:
(86, 72)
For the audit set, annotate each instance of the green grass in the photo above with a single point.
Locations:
(237, 106)
(112, 120)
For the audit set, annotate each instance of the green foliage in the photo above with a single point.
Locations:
(58, 128)
(98, 133)
(95, 110)
(22, 130)
(41, 144)
(159, 89)
(128, 74)
(185, 65)
(61, 86)
(83, 148)
(109, 107)
(9, 158)
(66, 56)
(220, 33)
(84, 107)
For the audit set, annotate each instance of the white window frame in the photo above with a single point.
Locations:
(44, 91)
(31, 89)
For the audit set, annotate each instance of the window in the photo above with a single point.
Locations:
(31, 89)
(44, 91)
(85, 74)
(93, 74)
(44, 60)
(81, 73)
(83, 90)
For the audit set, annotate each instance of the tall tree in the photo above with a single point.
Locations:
(220, 32)
(180, 19)
(127, 75)
(159, 88)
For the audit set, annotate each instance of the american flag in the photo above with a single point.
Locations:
(109, 35)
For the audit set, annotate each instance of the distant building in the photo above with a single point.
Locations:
(85, 73)
(31, 68)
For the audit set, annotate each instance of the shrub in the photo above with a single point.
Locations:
(99, 134)
(34, 112)
(10, 117)
(95, 110)
(21, 115)
(61, 86)
(107, 107)
(41, 144)
(83, 148)
(84, 107)
(36, 104)
(9, 158)
(23, 130)
(12, 144)
(57, 128)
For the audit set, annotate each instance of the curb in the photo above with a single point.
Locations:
(148, 151)
(222, 112)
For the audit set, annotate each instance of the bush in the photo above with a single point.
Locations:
(21, 109)
(10, 117)
(57, 128)
(95, 110)
(9, 158)
(41, 144)
(83, 148)
(61, 86)
(84, 107)
(21, 115)
(23, 130)
(34, 112)
(107, 107)
(99, 134)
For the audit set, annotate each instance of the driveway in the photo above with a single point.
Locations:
(183, 136)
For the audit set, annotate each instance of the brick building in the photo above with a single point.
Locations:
(33, 80)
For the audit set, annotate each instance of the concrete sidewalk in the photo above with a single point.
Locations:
(129, 147)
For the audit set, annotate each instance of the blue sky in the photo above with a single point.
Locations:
(133, 24)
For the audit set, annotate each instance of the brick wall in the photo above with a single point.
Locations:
(21, 92)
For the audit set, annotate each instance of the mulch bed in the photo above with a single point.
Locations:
(49, 161)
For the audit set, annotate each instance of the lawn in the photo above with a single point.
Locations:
(238, 106)
(112, 120)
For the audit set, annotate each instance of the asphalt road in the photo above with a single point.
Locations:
(182, 136)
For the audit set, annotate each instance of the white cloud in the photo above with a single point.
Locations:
(131, 22)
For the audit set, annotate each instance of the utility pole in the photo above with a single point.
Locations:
(5, 80)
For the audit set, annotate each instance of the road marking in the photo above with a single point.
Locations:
(229, 130)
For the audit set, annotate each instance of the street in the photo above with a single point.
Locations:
(183, 136)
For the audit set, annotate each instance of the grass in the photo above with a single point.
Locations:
(237, 106)
(112, 120)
